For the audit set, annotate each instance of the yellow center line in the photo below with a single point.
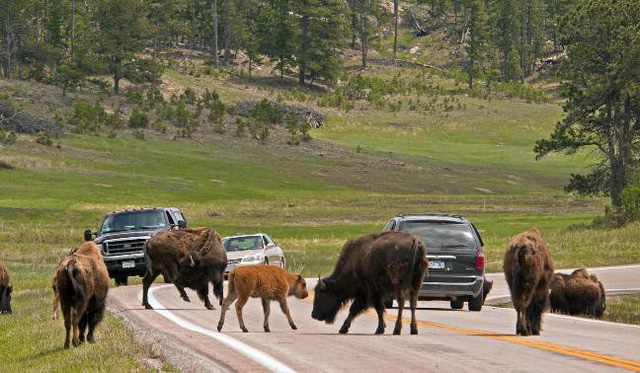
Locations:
(523, 341)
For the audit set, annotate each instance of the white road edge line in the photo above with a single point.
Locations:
(256, 355)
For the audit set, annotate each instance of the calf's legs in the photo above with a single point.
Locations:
(231, 297)
(285, 309)
(266, 307)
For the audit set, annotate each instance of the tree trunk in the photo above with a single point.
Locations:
(281, 67)
(523, 41)
(395, 28)
(363, 39)
(227, 31)
(354, 25)
(214, 12)
(116, 83)
(303, 49)
(73, 27)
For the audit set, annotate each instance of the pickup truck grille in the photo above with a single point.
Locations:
(124, 246)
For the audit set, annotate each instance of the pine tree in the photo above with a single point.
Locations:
(476, 47)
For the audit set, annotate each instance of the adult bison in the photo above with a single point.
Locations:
(368, 271)
(5, 290)
(81, 285)
(528, 268)
(189, 258)
(577, 294)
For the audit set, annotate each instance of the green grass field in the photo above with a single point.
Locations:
(476, 161)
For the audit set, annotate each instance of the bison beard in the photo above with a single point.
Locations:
(190, 258)
(369, 270)
(528, 269)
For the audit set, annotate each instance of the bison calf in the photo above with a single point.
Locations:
(528, 269)
(5, 290)
(266, 282)
(81, 285)
(577, 294)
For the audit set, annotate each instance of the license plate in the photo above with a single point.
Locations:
(436, 264)
(129, 264)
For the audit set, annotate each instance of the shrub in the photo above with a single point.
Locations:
(259, 131)
(87, 117)
(240, 126)
(43, 138)
(138, 119)
(154, 98)
(7, 138)
(631, 201)
(189, 96)
(267, 113)
(138, 134)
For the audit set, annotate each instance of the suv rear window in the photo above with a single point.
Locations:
(441, 234)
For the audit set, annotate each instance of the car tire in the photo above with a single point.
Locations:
(282, 262)
(122, 281)
(475, 304)
(266, 261)
(388, 303)
(457, 304)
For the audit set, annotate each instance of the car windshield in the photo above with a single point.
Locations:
(441, 234)
(133, 220)
(242, 243)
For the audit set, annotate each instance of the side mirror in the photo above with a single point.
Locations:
(88, 236)
(182, 224)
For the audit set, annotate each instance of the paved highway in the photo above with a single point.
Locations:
(448, 340)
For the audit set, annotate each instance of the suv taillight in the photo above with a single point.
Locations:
(479, 260)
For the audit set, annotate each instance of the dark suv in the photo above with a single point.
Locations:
(454, 251)
(123, 233)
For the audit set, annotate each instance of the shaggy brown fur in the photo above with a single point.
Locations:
(487, 285)
(265, 282)
(369, 270)
(577, 294)
(188, 258)
(82, 284)
(528, 268)
(5, 290)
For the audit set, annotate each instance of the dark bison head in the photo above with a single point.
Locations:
(5, 299)
(327, 301)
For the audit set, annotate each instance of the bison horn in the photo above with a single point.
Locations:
(193, 264)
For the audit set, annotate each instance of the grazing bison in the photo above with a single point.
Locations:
(369, 270)
(528, 268)
(5, 290)
(188, 258)
(577, 294)
(266, 282)
(81, 285)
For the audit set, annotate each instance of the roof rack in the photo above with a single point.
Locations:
(430, 214)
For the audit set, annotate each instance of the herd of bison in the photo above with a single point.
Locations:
(369, 270)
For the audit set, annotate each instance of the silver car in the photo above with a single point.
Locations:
(252, 249)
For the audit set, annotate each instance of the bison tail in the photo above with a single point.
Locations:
(72, 271)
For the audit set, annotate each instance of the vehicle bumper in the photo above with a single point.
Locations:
(115, 267)
(451, 290)
(232, 266)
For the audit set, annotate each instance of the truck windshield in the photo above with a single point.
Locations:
(242, 243)
(441, 234)
(133, 220)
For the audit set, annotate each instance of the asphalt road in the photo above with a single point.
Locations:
(185, 334)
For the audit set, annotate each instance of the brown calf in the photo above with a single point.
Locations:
(81, 284)
(266, 282)
(528, 269)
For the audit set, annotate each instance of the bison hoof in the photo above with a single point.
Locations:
(91, 340)
(380, 331)
(147, 306)
(244, 329)
(293, 326)
(210, 306)
(414, 331)
(343, 330)
(397, 331)
(66, 345)
(266, 329)
(220, 327)
(186, 299)
(76, 343)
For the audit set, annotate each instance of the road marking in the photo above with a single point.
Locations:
(256, 355)
(541, 345)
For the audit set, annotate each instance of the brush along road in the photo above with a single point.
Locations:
(449, 340)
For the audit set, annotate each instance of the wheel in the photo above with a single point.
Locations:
(388, 303)
(282, 262)
(266, 261)
(457, 304)
(121, 281)
(475, 304)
